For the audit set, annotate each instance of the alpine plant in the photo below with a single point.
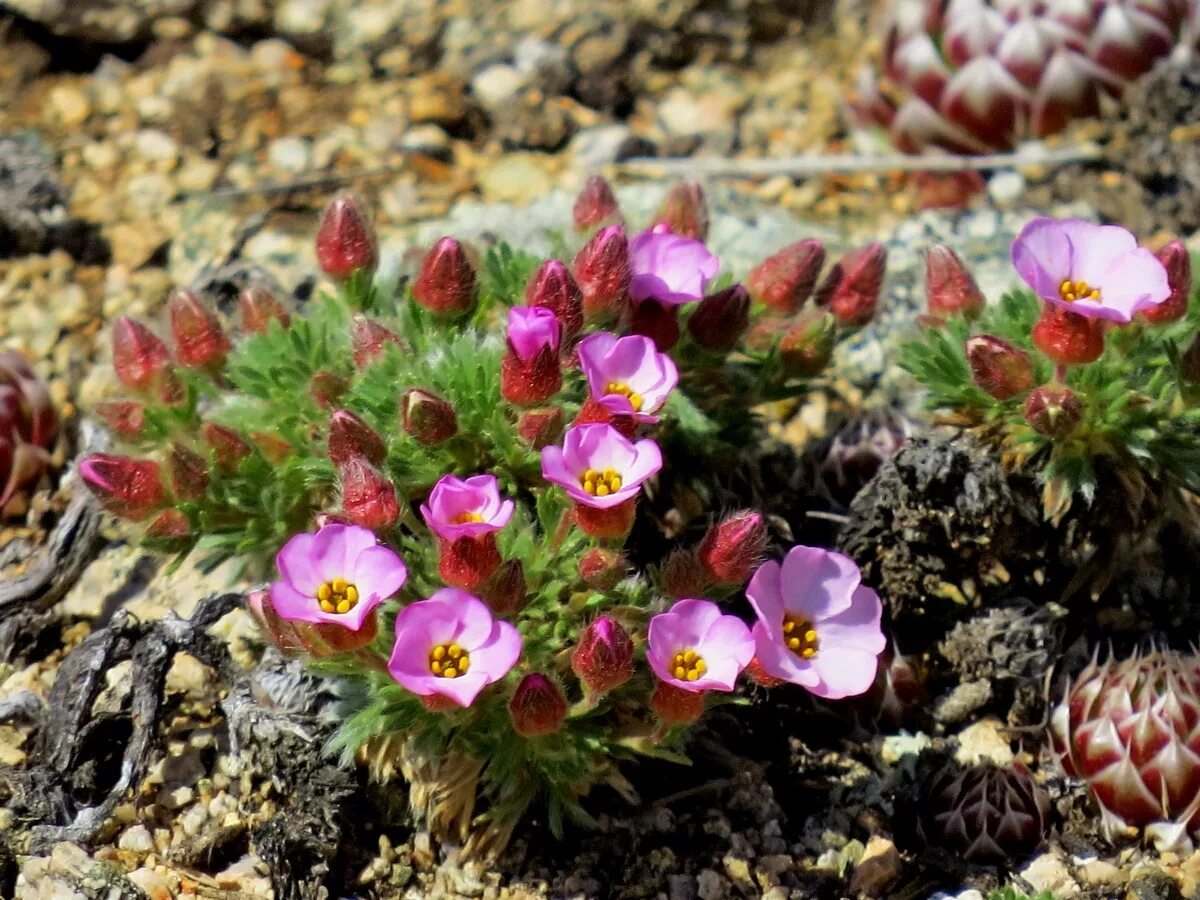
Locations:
(29, 430)
(1130, 729)
(977, 76)
(445, 492)
(1092, 370)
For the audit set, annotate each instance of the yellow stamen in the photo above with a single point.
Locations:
(800, 636)
(636, 400)
(337, 596)
(449, 661)
(467, 517)
(600, 484)
(1071, 291)
(688, 665)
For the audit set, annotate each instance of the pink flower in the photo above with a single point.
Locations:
(627, 375)
(1097, 271)
(669, 268)
(532, 329)
(336, 576)
(459, 508)
(599, 467)
(695, 648)
(817, 626)
(450, 646)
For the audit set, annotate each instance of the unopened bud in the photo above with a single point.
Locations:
(446, 283)
(200, 342)
(1068, 338)
(346, 241)
(530, 372)
(949, 287)
(125, 417)
(676, 706)
(852, 287)
(350, 436)
(272, 446)
(139, 355)
(259, 308)
(227, 445)
(603, 658)
(506, 591)
(603, 274)
(129, 488)
(733, 547)
(657, 321)
(552, 287)
(328, 388)
(537, 706)
(785, 280)
(685, 211)
(427, 417)
(596, 205)
(368, 497)
(1053, 410)
(1178, 263)
(368, 339)
(540, 427)
(997, 367)
(170, 523)
(682, 575)
(189, 473)
(807, 347)
(468, 562)
(602, 569)
(720, 319)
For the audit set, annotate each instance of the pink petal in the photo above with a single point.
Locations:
(336, 547)
(295, 564)
(499, 653)
(1041, 254)
(473, 618)
(817, 583)
(1094, 248)
(780, 662)
(844, 673)
(765, 593)
(1134, 282)
(294, 606)
(646, 462)
(857, 626)
(462, 690)
(378, 572)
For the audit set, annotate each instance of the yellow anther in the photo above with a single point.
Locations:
(338, 585)
(1070, 291)
(337, 596)
(800, 637)
(467, 517)
(435, 667)
(680, 672)
(600, 484)
(688, 665)
(619, 387)
(689, 657)
(449, 660)
(324, 592)
(455, 651)
(450, 672)
(439, 652)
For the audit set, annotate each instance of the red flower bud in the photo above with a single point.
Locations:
(682, 575)
(505, 592)
(272, 446)
(468, 562)
(852, 287)
(319, 641)
(949, 287)
(596, 205)
(537, 706)
(807, 346)
(720, 319)
(189, 473)
(552, 287)
(1053, 410)
(327, 388)
(593, 412)
(1068, 338)
(427, 417)
(530, 380)
(199, 339)
(140, 357)
(350, 436)
(1178, 263)
(603, 274)
(656, 321)
(259, 308)
(170, 523)
(346, 241)
(368, 338)
(603, 658)
(368, 497)
(998, 367)
(129, 488)
(684, 210)
(125, 417)
(446, 283)
(227, 445)
(676, 706)
(785, 280)
(602, 569)
(540, 427)
(606, 524)
(732, 548)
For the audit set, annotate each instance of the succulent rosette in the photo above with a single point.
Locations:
(669, 268)
(627, 375)
(818, 626)
(450, 646)
(337, 576)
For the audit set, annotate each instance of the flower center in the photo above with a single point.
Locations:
(1071, 291)
(620, 387)
(337, 596)
(467, 517)
(688, 665)
(449, 661)
(800, 636)
(600, 484)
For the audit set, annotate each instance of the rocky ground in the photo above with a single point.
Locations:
(160, 143)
